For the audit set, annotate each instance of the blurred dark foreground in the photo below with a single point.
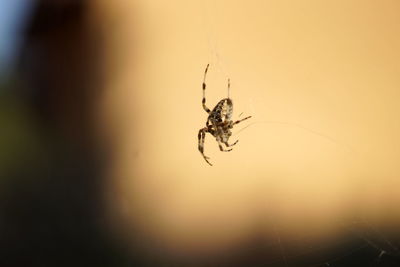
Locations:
(53, 160)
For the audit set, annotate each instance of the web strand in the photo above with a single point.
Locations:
(325, 136)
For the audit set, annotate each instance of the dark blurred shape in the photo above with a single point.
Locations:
(51, 205)
(61, 62)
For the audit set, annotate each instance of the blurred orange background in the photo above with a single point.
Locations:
(321, 81)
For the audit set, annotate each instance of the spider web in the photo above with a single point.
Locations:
(361, 243)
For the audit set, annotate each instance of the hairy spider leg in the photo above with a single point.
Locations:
(239, 121)
(228, 145)
(229, 86)
(204, 91)
(236, 122)
(220, 145)
(202, 136)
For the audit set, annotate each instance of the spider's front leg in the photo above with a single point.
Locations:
(231, 125)
(204, 91)
(239, 121)
(202, 136)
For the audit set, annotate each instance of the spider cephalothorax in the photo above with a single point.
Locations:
(219, 123)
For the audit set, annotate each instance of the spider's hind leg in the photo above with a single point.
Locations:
(202, 136)
(220, 145)
(229, 145)
(222, 149)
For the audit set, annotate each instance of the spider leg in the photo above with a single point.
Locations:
(220, 145)
(228, 145)
(222, 149)
(238, 121)
(204, 91)
(201, 136)
(229, 86)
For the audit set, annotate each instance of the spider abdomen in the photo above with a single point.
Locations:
(222, 111)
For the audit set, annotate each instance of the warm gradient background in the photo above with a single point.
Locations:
(322, 81)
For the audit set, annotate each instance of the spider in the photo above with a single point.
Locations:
(219, 123)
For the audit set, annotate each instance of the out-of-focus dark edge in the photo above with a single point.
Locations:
(51, 207)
